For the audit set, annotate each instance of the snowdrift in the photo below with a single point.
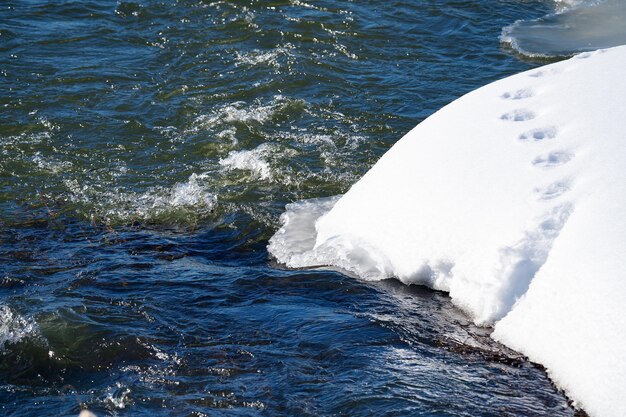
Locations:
(513, 199)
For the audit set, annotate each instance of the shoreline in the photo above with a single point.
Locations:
(489, 200)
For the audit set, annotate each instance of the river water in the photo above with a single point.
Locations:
(147, 151)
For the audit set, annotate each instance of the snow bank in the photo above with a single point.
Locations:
(513, 199)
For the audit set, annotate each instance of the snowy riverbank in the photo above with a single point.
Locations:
(513, 199)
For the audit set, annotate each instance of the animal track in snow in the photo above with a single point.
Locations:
(552, 159)
(518, 115)
(544, 72)
(518, 95)
(552, 191)
(548, 132)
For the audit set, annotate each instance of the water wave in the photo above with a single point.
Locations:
(184, 200)
(281, 56)
(250, 160)
(141, 257)
(117, 397)
(14, 327)
(241, 112)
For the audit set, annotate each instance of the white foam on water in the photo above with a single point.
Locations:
(273, 58)
(50, 164)
(13, 144)
(242, 112)
(308, 5)
(250, 160)
(188, 194)
(13, 327)
(230, 135)
(117, 397)
(274, 161)
(191, 196)
(577, 26)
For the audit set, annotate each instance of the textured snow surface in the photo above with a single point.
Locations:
(513, 199)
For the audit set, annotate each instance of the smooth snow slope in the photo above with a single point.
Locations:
(513, 199)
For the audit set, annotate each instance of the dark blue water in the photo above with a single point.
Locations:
(147, 150)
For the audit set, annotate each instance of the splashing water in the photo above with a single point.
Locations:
(13, 327)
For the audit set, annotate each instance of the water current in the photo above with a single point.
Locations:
(147, 150)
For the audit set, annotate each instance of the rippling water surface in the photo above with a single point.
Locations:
(147, 150)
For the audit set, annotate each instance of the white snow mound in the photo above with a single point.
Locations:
(513, 199)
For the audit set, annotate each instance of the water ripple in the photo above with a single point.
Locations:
(147, 149)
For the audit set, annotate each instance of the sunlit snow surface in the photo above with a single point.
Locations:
(577, 26)
(513, 199)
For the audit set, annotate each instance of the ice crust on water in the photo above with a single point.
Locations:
(578, 25)
(521, 219)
